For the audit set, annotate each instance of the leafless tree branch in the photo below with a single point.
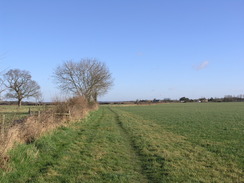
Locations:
(89, 78)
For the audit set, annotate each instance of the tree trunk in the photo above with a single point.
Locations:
(95, 97)
(19, 102)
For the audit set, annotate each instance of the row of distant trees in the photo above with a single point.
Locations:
(226, 98)
(88, 78)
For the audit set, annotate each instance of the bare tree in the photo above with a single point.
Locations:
(20, 85)
(89, 78)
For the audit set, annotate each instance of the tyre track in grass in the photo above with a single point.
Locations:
(100, 153)
(112, 145)
(152, 164)
(168, 157)
(134, 152)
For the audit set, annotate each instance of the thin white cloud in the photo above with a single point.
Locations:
(139, 53)
(201, 66)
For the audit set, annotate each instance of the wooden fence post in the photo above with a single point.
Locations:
(69, 115)
(3, 125)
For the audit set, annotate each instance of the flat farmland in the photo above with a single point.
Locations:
(190, 142)
(216, 130)
(12, 113)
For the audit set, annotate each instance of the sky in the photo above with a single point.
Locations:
(153, 48)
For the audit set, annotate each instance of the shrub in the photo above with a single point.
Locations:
(34, 126)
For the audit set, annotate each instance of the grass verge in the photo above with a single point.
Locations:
(93, 150)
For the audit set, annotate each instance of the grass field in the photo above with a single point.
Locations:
(13, 112)
(160, 143)
(217, 127)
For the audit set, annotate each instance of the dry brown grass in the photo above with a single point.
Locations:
(33, 127)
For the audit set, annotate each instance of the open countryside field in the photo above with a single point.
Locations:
(12, 113)
(159, 143)
(218, 127)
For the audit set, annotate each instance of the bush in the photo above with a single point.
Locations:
(34, 126)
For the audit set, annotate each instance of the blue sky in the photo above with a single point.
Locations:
(153, 48)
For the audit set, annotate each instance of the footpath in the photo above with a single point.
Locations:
(112, 145)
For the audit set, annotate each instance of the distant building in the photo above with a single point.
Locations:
(203, 100)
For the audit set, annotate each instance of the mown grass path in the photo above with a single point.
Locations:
(95, 150)
(113, 145)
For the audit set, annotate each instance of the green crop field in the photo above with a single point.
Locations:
(218, 127)
(12, 113)
(195, 142)
(210, 138)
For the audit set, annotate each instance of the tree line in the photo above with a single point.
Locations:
(89, 78)
(226, 98)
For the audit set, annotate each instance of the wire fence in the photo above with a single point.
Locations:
(27, 124)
